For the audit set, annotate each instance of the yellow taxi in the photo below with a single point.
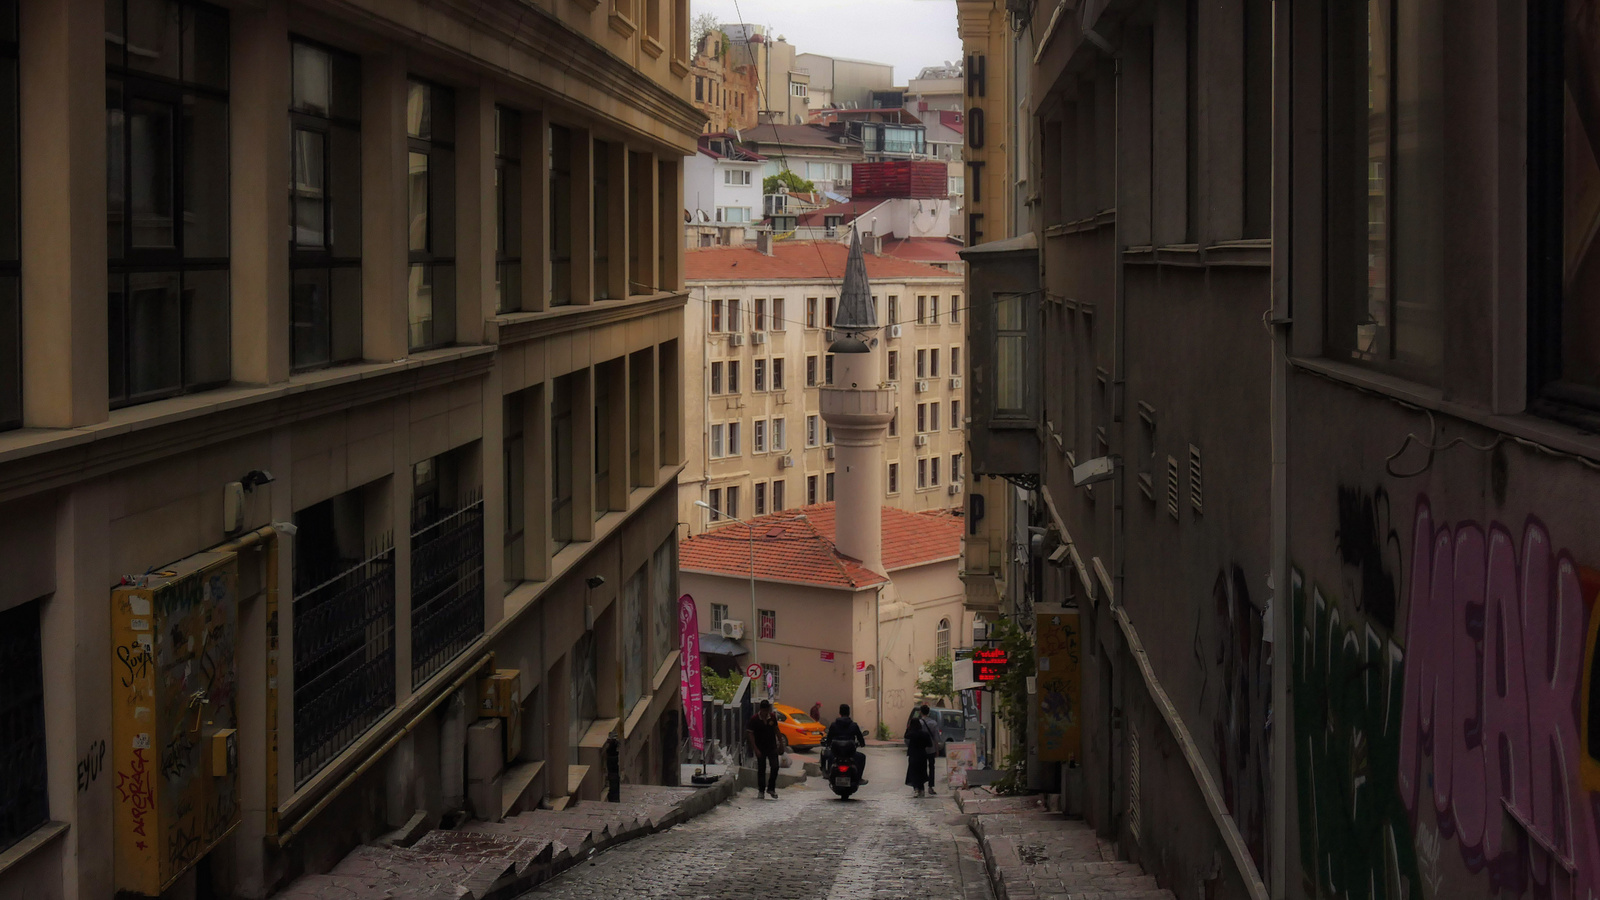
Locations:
(798, 728)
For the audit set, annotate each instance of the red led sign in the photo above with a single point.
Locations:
(988, 664)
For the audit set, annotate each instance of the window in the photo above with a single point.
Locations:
(732, 509)
(759, 436)
(955, 314)
(769, 624)
(561, 461)
(735, 215)
(956, 472)
(1010, 357)
(811, 371)
(830, 225)
(716, 315)
(719, 614)
(777, 495)
(779, 438)
(827, 312)
(980, 628)
(733, 376)
(933, 416)
(733, 438)
(760, 375)
(324, 206)
(894, 424)
(601, 449)
(560, 222)
(797, 89)
(955, 360)
(715, 513)
(894, 478)
(600, 174)
(922, 364)
(922, 309)
(922, 417)
(23, 794)
(716, 378)
(827, 366)
(777, 373)
(955, 414)
(894, 365)
(699, 88)
(430, 131)
(734, 323)
(811, 312)
(933, 471)
(512, 457)
(761, 498)
(869, 687)
(922, 473)
(736, 176)
(894, 310)
(811, 431)
(942, 639)
(167, 201)
(1385, 166)
(933, 309)
(507, 210)
(828, 478)
(933, 363)
(778, 323)
(719, 446)
(760, 323)
(827, 433)
(811, 490)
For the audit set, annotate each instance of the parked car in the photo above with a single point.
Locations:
(952, 726)
(801, 731)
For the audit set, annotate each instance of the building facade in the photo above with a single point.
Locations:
(844, 83)
(756, 334)
(274, 499)
(726, 86)
(722, 185)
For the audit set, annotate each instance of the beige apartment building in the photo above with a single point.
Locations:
(340, 380)
(756, 333)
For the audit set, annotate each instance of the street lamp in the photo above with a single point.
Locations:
(755, 623)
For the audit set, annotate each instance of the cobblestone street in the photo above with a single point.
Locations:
(808, 844)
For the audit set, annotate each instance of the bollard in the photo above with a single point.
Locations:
(614, 768)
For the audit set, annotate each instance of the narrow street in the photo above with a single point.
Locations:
(808, 844)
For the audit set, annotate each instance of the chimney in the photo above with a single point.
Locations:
(764, 241)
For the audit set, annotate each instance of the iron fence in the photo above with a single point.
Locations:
(343, 659)
(446, 587)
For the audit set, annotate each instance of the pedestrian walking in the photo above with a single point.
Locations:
(918, 744)
(761, 732)
(935, 737)
(816, 712)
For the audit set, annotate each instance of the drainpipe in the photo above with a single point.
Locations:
(705, 393)
(1279, 597)
(877, 653)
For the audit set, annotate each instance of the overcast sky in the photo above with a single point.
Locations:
(908, 34)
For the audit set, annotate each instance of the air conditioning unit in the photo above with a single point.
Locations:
(732, 629)
(955, 487)
(891, 385)
(735, 340)
(786, 462)
(830, 453)
(827, 335)
(955, 383)
(922, 440)
(758, 337)
(894, 331)
(922, 387)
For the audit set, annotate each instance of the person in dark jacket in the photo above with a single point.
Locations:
(762, 733)
(845, 729)
(918, 744)
(816, 712)
(935, 736)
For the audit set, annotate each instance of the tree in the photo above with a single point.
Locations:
(718, 687)
(788, 179)
(703, 23)
(936, 679)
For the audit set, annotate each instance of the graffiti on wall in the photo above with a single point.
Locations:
(1238, 701)
(1466, 752)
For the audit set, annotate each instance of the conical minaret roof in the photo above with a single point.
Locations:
(856, 312)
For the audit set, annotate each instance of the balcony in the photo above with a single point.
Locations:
(1005, 362)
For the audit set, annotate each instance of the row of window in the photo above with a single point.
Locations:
(770, 496)
(769, 373)
(766, 435)
(769, 627)
(769, 315)
(765, 316)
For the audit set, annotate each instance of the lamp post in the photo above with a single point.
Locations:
(755, 623)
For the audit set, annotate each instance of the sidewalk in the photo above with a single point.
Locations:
(1034, 854)
(488, 860)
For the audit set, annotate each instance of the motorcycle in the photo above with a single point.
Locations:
(839, 767)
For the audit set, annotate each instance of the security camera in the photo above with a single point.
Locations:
(594, 581)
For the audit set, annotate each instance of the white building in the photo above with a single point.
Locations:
(722, 191)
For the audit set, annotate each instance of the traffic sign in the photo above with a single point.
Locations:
(753, 670)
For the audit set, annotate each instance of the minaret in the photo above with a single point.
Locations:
(858, 409)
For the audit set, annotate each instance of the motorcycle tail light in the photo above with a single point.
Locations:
(844, 768)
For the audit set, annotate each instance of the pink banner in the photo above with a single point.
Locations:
(689, 667)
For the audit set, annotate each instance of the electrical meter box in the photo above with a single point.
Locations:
(499, 694)
(174, 687)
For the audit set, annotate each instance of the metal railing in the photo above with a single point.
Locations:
(343, 659)
(446, 587)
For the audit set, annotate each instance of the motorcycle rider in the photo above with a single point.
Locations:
(844, 729)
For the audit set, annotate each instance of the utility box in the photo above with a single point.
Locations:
(174, 745)
(499, 694)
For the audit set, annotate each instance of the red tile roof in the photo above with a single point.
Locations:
(794, 260)
(942, 250)
(798, 546)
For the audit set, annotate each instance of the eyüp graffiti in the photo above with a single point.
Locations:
(1483, 716)
(1491, 724)
(1239, 710)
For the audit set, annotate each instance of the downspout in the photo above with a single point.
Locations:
(705, 394)
(1279, 598)
(877, 653)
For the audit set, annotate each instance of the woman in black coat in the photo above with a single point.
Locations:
(918, 744)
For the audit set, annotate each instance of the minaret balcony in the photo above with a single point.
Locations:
(857, 407)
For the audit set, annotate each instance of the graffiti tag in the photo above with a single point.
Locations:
(89, 767)
(134, 789)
